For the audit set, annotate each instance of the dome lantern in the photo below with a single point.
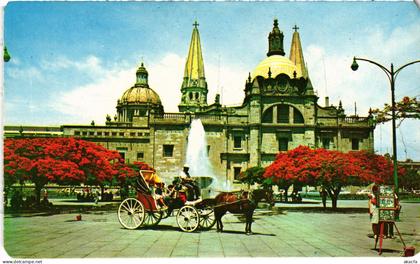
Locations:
(275, 41)
(141, 76)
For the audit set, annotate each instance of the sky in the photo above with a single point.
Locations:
(71, 61)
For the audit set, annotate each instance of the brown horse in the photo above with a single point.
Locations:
(265, 195)
(236, 203)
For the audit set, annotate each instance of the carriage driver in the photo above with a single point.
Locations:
(188, 182)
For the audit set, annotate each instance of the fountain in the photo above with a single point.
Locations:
(197, 156)
(198, 161)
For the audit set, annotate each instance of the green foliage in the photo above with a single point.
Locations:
(253, 175)
(268, 182)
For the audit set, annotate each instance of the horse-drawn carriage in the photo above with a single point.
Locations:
(144, 210)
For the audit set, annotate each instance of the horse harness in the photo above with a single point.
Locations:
(241, 197)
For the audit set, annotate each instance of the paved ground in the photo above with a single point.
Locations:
(287, 231)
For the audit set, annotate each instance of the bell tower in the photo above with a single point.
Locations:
(194, 86)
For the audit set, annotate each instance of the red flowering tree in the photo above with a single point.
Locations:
(410, 180)
(406, 108)
(330, 169)
(59, 160)
(284, 171)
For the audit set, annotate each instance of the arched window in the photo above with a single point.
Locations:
(283, 114)
(268, 116)
(297, 117)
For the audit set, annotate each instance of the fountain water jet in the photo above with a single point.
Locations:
(197, 157)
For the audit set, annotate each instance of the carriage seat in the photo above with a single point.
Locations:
(193, 203)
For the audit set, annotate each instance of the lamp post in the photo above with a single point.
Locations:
(6, 55)
(392, 75)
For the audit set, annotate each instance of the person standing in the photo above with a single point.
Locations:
(373, 214)
(390, 225)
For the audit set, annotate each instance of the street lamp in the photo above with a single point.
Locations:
(6, 55)
(392, 75)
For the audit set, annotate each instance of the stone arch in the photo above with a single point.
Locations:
(282, 114)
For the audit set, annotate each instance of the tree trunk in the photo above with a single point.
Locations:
(333, 193)
(38, 189)
(102, 192)
(285, 194)
(334, 202)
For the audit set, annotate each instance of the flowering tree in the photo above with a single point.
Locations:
(284, 170)
(406, 108)
(59, 160)
(410, 180)
(330, 169)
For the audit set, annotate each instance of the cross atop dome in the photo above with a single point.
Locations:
(295, 28)
(196, 24)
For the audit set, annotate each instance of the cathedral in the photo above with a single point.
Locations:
(279, 112)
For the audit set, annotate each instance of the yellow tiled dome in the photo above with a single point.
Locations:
(140, 95)
(277, 64)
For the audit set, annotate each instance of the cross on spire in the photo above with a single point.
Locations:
(295, 28)
(196, 24)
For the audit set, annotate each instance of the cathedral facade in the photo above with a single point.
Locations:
(280, 111)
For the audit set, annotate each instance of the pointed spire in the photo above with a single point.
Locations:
(194, 67)
(194, 86)
(296, 54)
(275, 41)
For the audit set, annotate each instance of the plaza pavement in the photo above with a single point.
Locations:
(289, 230)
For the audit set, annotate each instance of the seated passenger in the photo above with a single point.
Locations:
(187, 181)
(157, 195)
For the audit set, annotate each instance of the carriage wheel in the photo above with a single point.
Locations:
(152, 218)
(207, 219)
(188, 218)
(131, 213)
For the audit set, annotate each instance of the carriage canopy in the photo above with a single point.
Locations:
(146, 178)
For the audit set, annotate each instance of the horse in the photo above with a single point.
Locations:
(266, 195)
(238, 203)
